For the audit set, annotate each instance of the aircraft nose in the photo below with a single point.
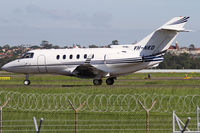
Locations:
(4, 67)
(8, 67)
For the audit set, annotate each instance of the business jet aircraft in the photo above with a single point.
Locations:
(98, 63)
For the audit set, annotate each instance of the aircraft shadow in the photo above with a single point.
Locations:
(76, 85)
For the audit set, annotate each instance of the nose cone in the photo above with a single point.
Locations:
(8, 67)
(5, 67)
(14, 67)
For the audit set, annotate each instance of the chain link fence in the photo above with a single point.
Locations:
(87, 122)
(20, 122)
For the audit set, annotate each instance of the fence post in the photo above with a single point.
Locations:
(40, 125)
(1, 109)
(173, 117)
(198, 118)
(179, 123)
(147, 114)
(186, 124)
(76, 113)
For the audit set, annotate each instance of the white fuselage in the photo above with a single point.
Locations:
(114, 61)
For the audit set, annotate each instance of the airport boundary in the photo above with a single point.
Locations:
(99, 102)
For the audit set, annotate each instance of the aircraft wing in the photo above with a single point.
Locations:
(88, 71)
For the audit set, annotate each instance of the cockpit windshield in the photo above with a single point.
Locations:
(27, 55)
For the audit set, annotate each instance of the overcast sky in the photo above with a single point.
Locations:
(85, 22)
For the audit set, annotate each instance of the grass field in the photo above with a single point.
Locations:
(160, 84)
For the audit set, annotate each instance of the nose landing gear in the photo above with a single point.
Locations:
(27, 81)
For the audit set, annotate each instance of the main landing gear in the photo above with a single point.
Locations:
(109, 81)
(97, 81)
(26, 81)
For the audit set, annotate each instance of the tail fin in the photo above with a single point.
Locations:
(161, 39)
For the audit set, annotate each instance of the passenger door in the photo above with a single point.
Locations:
(41, 62)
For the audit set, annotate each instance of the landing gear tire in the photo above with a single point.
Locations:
(27, 82)
(97, 81)
(110, 81)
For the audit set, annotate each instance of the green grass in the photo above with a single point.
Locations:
(160, 84)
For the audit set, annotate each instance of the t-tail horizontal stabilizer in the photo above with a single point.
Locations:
(176, 24)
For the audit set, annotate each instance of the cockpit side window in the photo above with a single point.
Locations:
(28, 55)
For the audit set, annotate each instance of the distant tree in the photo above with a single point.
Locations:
(35, 47)
(6, 46)
(184, 60)
(14, 47)
(79, 46)
(93, 46)
(191, 47)
(45, 44)
(56, 47)
(115, 42)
